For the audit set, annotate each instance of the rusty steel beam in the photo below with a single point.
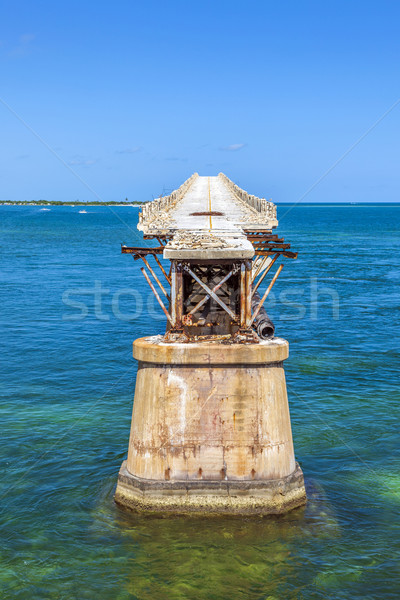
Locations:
(162, 268)
(247, 291)
(156, 278)
(156, 295)
(267, 291)
(260, 267)
(139, 251)
(179, 299)
(173, 293)
(264, 274)
(258, 232)
(281, 252)
(290, 254)
(176, 294)
(242, 295)
(265, 244)
(264, 238)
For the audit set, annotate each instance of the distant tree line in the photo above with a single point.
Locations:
(70, 203)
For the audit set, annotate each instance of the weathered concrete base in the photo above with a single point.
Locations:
(210, 430)
(211, 497)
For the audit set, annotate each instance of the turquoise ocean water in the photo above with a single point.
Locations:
(71, 305)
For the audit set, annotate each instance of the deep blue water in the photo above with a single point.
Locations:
(67, 381)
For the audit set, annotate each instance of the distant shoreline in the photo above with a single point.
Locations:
(56, 203)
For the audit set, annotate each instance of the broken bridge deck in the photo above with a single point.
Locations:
(208, 218)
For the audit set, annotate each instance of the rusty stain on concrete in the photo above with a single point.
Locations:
(184, 430)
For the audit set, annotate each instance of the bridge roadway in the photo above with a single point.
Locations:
(208, 222)
(210, 194)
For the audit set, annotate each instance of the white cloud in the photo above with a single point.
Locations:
(233, 147)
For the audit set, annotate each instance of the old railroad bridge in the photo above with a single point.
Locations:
(219, 240)
(211, 427)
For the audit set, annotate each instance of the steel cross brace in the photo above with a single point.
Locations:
(207, 296)
(211, 293)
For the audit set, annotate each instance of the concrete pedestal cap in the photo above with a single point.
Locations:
(153, 350)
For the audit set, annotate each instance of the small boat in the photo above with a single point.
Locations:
(83, 211)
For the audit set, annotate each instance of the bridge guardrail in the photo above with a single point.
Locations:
(261, 205)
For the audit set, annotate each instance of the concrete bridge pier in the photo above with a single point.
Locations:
(210, 431)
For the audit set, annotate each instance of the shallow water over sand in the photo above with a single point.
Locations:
(66, 398)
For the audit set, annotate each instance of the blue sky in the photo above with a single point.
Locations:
(135, 96)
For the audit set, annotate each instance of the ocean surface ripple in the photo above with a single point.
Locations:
(71, 306)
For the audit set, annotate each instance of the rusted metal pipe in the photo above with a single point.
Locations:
(263, 325)
(160, 302)
(267, 291)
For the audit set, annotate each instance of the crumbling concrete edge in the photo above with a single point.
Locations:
(152, 210)
(266, 353)
(258, 205)
(225, 497)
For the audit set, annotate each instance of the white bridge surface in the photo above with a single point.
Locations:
(208, 236)
(210, 194)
